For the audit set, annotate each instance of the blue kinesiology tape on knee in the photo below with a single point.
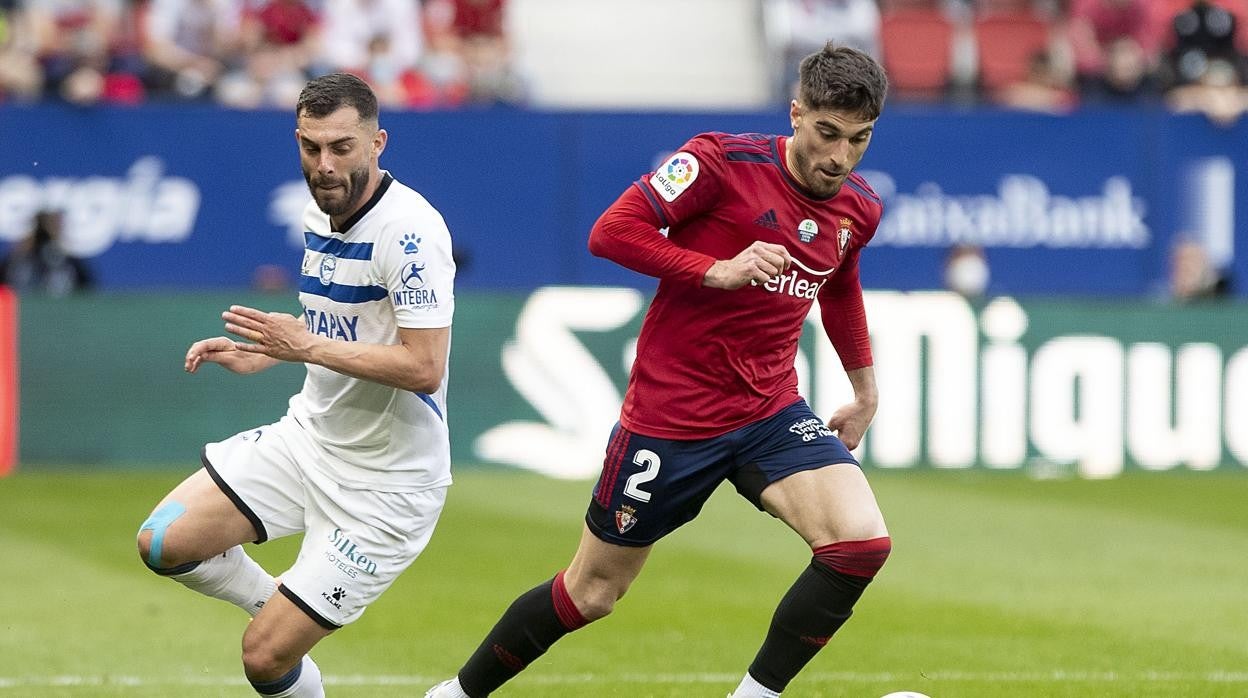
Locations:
(158, 523)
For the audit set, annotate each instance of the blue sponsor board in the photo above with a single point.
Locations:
(192, 197)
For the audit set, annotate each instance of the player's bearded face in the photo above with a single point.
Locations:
(335, 194)
(827, 145)
(337, 154)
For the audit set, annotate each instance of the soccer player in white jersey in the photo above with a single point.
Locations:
(360, 463)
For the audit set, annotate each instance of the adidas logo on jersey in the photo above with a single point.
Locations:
(768, 220)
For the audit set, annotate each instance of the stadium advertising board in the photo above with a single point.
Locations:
(1086, 204)
(1009, 385)
(1090, 388)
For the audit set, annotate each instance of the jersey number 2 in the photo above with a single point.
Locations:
(649, 459)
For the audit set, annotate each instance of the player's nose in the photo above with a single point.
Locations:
(325, 163)
(839, 154)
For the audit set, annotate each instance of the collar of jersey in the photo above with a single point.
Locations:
(386, 179)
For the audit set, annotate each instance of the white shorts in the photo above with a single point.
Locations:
(356, 542)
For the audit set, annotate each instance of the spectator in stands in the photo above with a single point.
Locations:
(1218, 93)
(1126, 77)
(76, 43)
(470, 54)
(1203, 33)
(280, 41)
(21, 76)
(379, 40)
(40, 264)
(796, 28)
(1096, 27)
(1047, 88)
(190, 44)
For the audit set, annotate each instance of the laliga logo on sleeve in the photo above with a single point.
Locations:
(672, 179)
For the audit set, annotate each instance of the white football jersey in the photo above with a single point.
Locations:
(390, 267)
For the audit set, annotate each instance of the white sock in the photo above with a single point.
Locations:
(308, 685)
(232, 576)
(750, 688)
(451, 689)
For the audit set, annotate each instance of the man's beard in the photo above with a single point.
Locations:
(355, 183)
(813, 184)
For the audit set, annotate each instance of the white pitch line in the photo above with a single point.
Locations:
(1056, 676)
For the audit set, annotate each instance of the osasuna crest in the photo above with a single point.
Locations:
(625, 518)
(807, 230)
(842, 235)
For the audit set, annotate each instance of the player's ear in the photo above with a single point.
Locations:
(379, 141)
(795, 114)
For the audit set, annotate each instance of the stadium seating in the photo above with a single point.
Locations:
(917, 46)
(1005, 44)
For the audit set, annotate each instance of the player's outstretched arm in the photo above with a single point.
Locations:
(225, 351)
(416, 363)
(850, 422)
(755, 264)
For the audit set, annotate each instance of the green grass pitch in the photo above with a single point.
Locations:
(998, 585)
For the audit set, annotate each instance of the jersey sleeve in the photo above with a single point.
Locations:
(628, 234)
(844, 316)
(415, 266)
(684, 186)
(687, 183)
(841, 307)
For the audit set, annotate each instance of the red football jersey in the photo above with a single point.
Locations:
(710, 360)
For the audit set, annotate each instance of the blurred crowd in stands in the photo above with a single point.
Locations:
(1042, 55)
(1045, 55)
(253, 53)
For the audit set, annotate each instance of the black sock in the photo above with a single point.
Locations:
(527, 629)
(816, 606)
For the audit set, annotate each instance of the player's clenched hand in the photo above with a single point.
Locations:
(755, 264)
(223, 351)
(276, 335)
(850, 422)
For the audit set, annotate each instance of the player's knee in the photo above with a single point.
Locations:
(168, 562)
(596, 607)
(857, 558)
(596, 598)
(144, 542)
(158, 550)
(264, 660)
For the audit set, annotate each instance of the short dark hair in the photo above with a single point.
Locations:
(327, 94)
(842, 78)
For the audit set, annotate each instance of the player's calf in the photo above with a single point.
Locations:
(815, 607)
(527, 629)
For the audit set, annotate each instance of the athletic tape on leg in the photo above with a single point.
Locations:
(158, 523)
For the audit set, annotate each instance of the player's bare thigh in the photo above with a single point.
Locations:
(200, 522)
(601, 572)
(826, 505)
(277, 638)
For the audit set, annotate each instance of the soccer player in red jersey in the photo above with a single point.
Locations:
(759, 228)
